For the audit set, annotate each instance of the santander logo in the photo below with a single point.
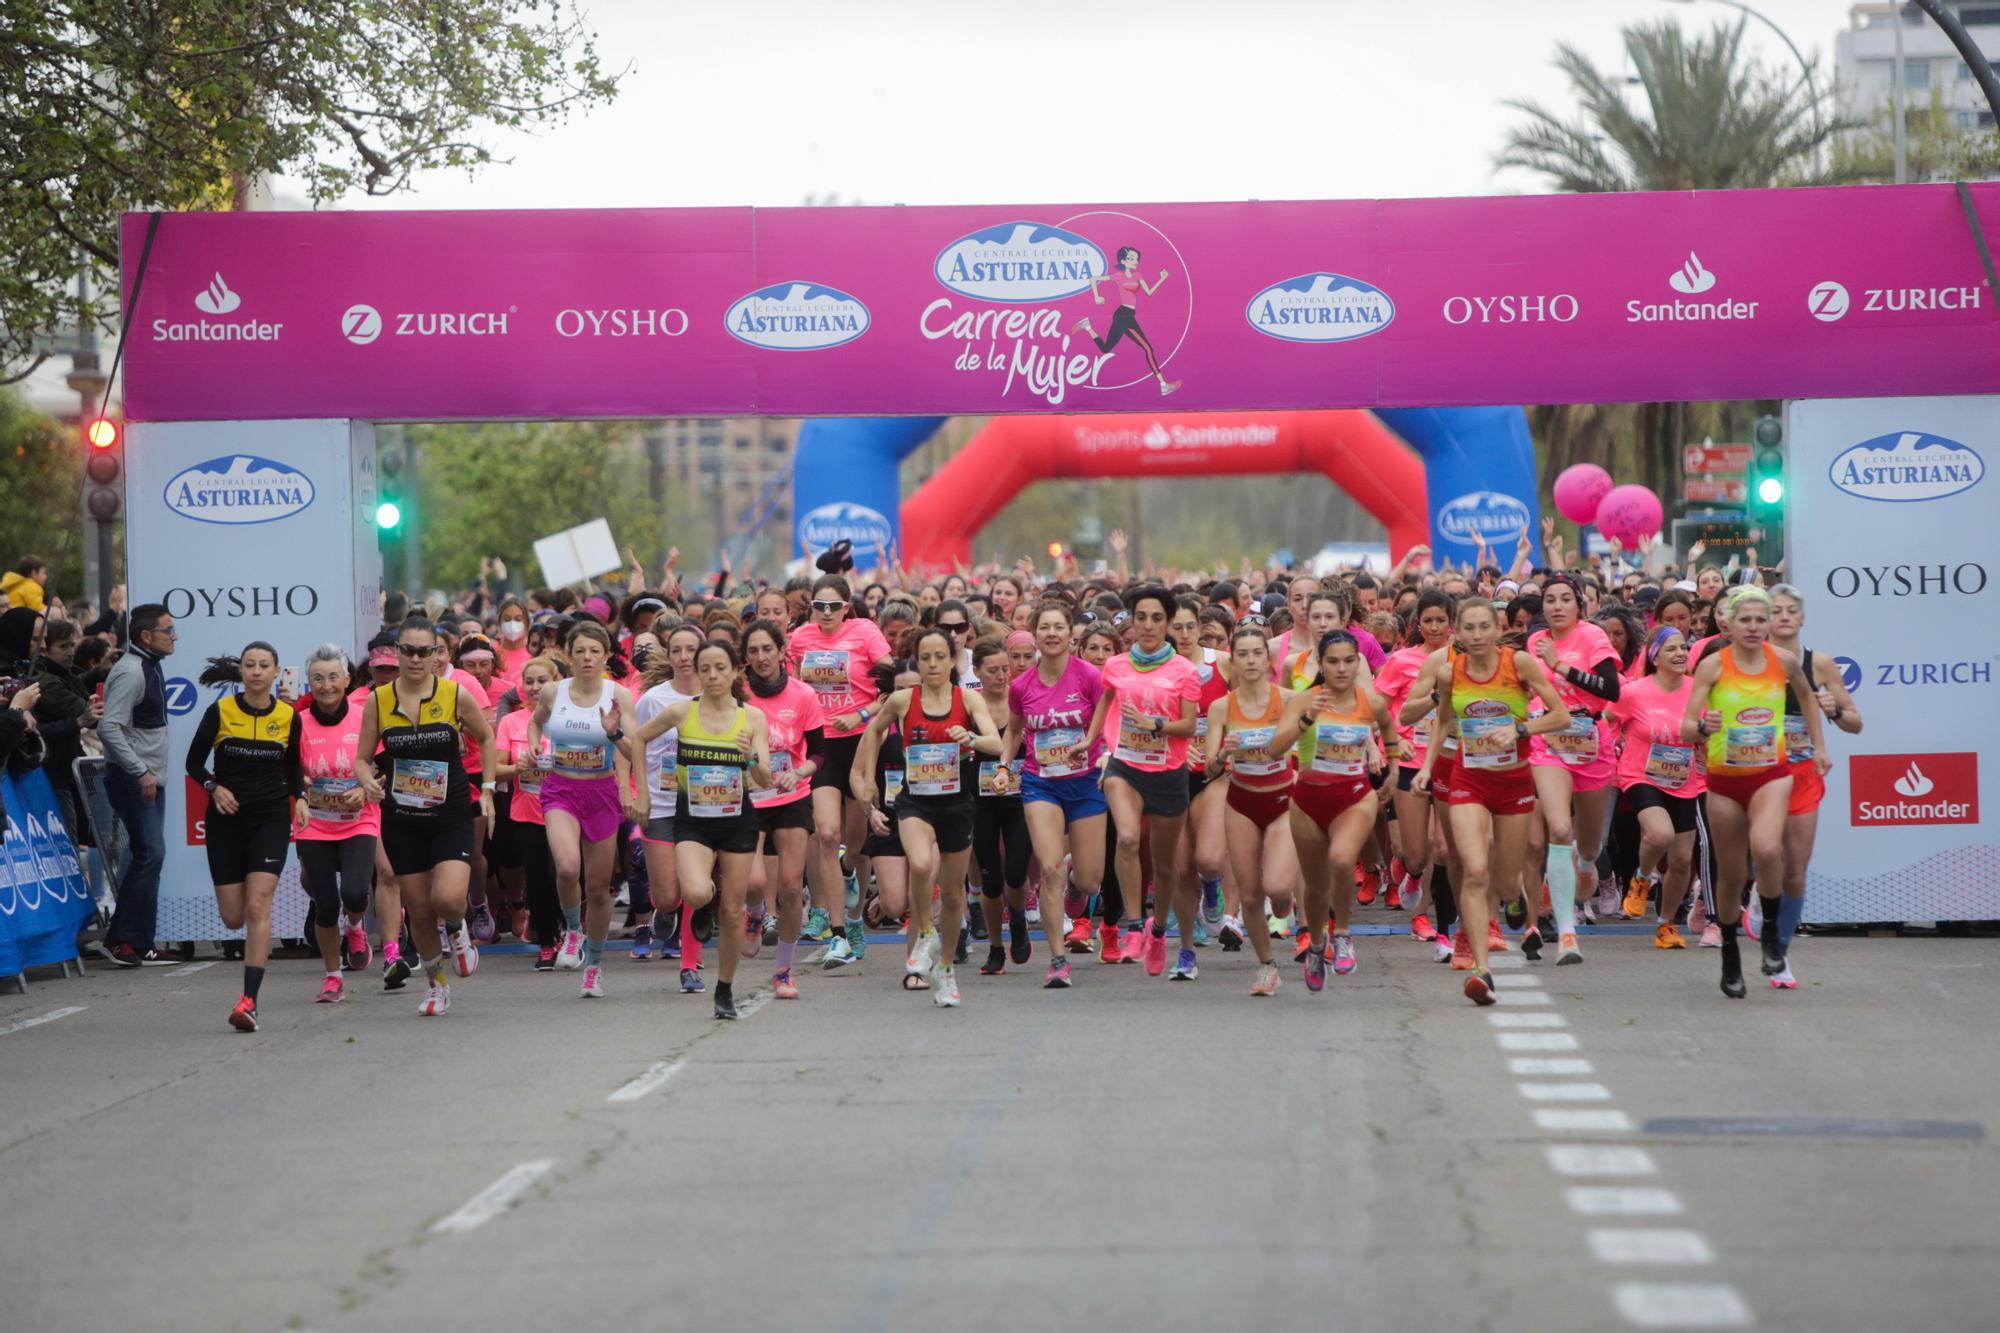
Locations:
(1692, 279)
(1897, 790)
(216, 298)
(1914, 783)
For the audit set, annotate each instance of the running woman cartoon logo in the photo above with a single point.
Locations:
(1126, 282)
(1321, 308)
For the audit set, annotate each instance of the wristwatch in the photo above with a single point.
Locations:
(208, 784)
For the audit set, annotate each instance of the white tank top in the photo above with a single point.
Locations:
(663, 751)
(576, 734)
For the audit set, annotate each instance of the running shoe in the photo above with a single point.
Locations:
(1442, 950)
(484, 927)
(962, 950)
(1315, 971)
(1302, 946)
(1637, 894)
(702, 924)
(1774, 957)
(1021, 948)
(1132, 944)
(1155, 952)
(818, 926)
(927, 954)
(1783, 979)
(1078, 939)
(1107, 944)
(1231, 934)
(945, 994)
(1732, 971)
(332, 991)
(753, 934)
(1586, 910)
(1495, 941)
(1753, 918)
(1281, 927)
(1211, 901)
(770, 928)
(1667, 936)
(851, 891)
(436, 1001)
(857, 937)
(1697, 910)
(593, 982)
(1607, 898)
(395, 971)
(244, 1016)
(1566, 950)
(1343, 955)
(642, 942)
(1479, 987)
(569, 957)
(782, 985)
(1392, 897)
(1421, 927)
(838, 954)
(1200, 932)
(1184, 966)
(976, 927)
(691, 983)
(1461, 951)
(1515, 911)
(545, 958)
(1531, 943)
(996, 961)
(1711, 937)
(725, 1004)
(359, 955)
(1367, 886)
(1058, 977)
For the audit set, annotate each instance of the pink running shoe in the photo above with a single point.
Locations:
(1156, 952)
(359, 955)
(332, 991)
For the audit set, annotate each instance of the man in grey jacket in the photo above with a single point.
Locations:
(134, 732)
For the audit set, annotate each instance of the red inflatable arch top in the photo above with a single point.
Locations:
(1353, 448)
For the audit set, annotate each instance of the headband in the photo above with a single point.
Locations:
(1658, 641)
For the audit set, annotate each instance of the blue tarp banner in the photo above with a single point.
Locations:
(44, 900)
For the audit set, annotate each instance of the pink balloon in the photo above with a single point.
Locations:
(1580, 489)
(1630, 513)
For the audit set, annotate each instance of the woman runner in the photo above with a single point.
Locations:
(256, 797)
(1000, 825)
(1430, 631)
(1660, 776)
(337, 848)
(797, 738)
(1205, 846)
(525, 771)
(668, 680)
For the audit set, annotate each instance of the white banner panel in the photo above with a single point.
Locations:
(245, 530)
(1895, 541)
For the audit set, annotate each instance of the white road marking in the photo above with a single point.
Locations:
(1577, 1159)
(754, 1003)
(648, 1082)
(21, 1024)
(1622, 1201)
(191, 969)
(1527, 981)
(1665, 1245)
(1680, 1305)
(1523, 997)
(1505, 962)
(1536, 1041)
(1565, 1092)
(1528, 1064)
(495, 1199)
(1527, 1020)
(1593, 1121)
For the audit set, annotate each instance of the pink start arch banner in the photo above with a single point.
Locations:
(1849, 292)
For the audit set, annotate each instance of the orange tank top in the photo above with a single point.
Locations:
(1255, 758)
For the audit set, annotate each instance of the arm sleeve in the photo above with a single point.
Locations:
(203, 744)
(121, 694)
(295, 769)
(815, 745)
(1601, 680)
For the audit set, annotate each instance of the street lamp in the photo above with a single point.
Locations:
(1805, 67)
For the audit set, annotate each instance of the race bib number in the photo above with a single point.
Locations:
(420, 784)
(1141, 749)
(1420, 735)
(781, 762)
(892, 787)
(932, 770)
(1669, 767)
(1253, 758)
(1487, 742)
(1575, 743)
(989, 770)
(670, 760)
(323, 798)
(530, 770)
(1059, 752)
(1798, 741)
(1340, 749)
(714, 791)
(1750, 747)
(582, 760)
(825, 669)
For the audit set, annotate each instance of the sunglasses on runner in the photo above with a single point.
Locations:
(954, 626)
(416, 650)
(828, 606)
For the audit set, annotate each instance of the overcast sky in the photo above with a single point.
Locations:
(946, 101)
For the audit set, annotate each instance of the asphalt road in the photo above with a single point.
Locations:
(1601, 1151)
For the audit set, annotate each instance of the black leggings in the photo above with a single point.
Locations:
(1000, 840)
(337, 874)
(1444, 902)
(545, 918)
(1125, 324)
(1110, 899)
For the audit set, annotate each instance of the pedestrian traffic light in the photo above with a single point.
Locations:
(1767, 471)
(103, 468)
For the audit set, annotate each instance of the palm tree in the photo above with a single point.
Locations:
(1713, 118)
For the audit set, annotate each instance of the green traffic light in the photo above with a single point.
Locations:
(1771, 491)
(388, 514)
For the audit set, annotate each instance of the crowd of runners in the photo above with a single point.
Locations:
(966, 762)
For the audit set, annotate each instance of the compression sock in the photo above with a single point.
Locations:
(1562, 886)
(690, 946)
(1790, 912)
(785, 952)
(1443, 899)
(253, 977)
(593, 952)
(573, 917)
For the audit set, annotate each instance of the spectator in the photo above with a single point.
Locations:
(111, 625)
(93, 662)
(395, 607)
(17, 723)
(20, 640)
(22, 586)
(65, 712)
(134, 732)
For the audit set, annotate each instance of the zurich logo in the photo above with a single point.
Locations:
(1020, 262)
(1850, 673)
(797, 317)
(1321, 308)
(181, 696)
(238, 489)
(844, 520)
(1906, 466)
(1497, 518)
